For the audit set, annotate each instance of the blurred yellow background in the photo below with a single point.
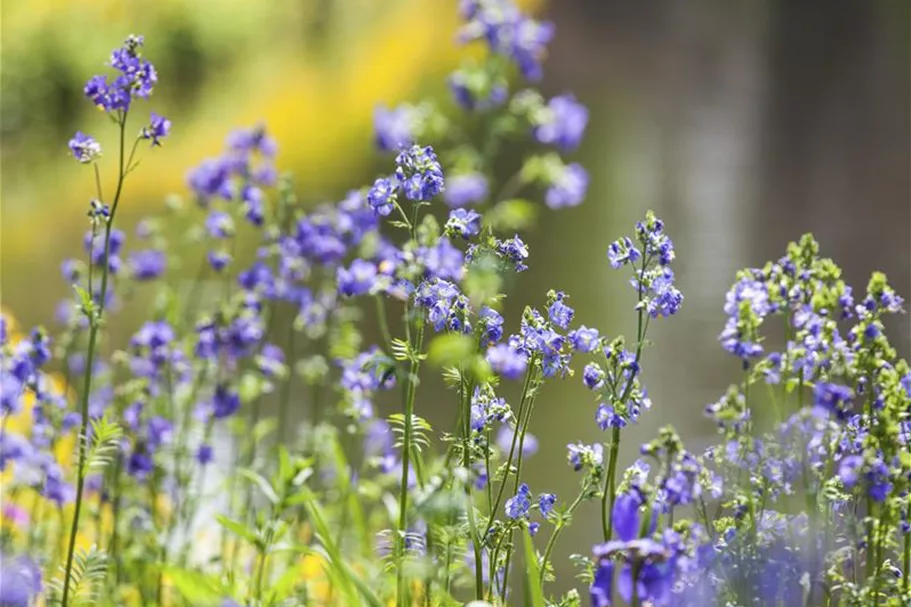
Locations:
(313, 71)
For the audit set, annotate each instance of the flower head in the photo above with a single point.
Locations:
(518, 505)
(464, 222)
(465, 190)
(565, 123)
(159, 127)
(147, 264)
(381, 196)
(84, 148)
(568, 188)
(419, 173)
(359, 279)
(507, 361)
(395, 128)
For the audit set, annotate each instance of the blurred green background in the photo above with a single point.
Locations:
(742, 123)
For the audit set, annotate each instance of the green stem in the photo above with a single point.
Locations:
(635, 576)
(520, 456)
(505, 584)
(465, 408)
(94, 325)
(410, 391)
(608, 494)
(515, 437)
(906, 566)
(381, 318)
(115, 519)
(284, 403)
(553, 537)
(258, 588)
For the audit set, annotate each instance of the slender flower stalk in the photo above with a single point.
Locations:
(95, 320)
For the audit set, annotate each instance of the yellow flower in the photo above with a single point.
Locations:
(313, 572)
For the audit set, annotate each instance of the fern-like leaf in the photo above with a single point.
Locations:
(86, 579)
(106, 437)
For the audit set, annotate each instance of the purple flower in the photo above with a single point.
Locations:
(419, 173)
(515, 251)
(218, 260)
(622, 252)
(159, 128)
(546, 503)
(212, 178)
(147, 264)
(56, 489)
(84, 148)
(254, 139)
(849, 469)
(506, 361)
(601, 590)
(518, 505)
(749, 290)
(140, 465)
(464, 222)
(11, 391)
(359, 279)
(465, 190)
(137, 78)
(219, 225)
(95, 245)
(225, 402)
(378, 439)
(474, 90)
(568, 188)
(395, 128)
(505, 438)
(361, 377)
(527, 45)
(559, 313)
(381, 196)
(160, 432)
(580, 455)
(593, 376)
(204, 454)
(607, 417)
(584, 339)
(833, 398)
(509, 33)
(565, 124)
(625, 517)
(443, 260)
(271, 360)
(254, 207)
(664, 298)
(492, 322)
(20, 581)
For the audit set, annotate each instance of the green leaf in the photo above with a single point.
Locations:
(237, 528)
(343, 474)
(86, 577)
(196, 588)
(450, 350)
(106, 436)
(264, 486)
(534, 593)
(284, 585)
(345, 577)
(285, 471)
(514, 214)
